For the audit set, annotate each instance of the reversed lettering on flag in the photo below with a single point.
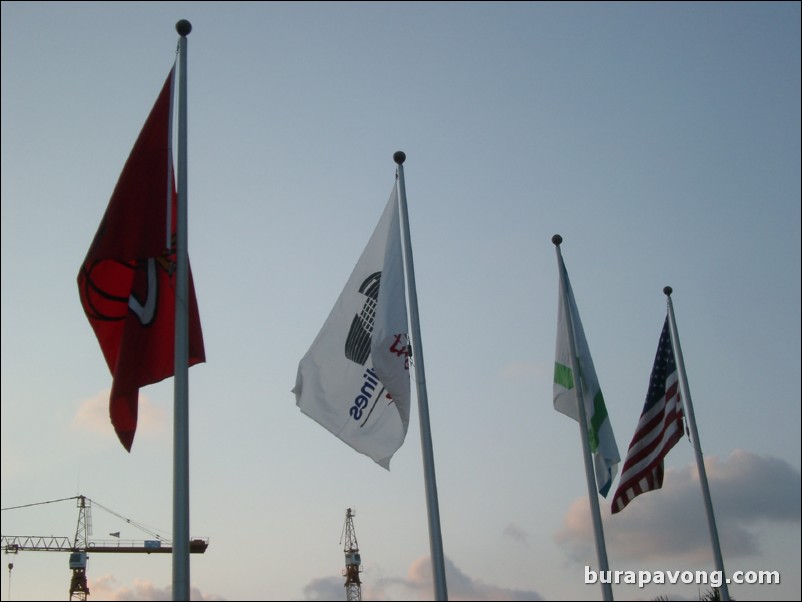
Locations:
(354, 380)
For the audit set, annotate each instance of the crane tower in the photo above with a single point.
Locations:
(78, 587)
(353, 562)
(81, 546)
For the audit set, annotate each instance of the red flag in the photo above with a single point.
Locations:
(127, 281)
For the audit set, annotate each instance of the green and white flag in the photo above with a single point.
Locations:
(600, 432)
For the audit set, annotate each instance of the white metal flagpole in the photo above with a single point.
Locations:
(181, 401)
(601, 549)
(697, 447)
(435, 537)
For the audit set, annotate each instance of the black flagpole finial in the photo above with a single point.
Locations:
(183, 27)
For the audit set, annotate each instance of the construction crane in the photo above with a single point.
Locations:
(353, 562)
(80, 546)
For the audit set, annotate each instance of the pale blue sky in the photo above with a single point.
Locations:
(662, 141)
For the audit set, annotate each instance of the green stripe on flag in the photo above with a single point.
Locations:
(563, 376)
(596, 421)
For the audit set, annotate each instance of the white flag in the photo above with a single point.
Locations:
(354, 380)
(600, 432)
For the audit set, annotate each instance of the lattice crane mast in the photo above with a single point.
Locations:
(353, 562)
(81, 545)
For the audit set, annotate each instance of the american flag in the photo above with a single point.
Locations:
(659, 428)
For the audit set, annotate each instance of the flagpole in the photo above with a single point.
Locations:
(601, 549)
(697, 447)
(435, 537)
(181, 402)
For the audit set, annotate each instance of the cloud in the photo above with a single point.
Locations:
(326, 588)
(461, 586)
(516, 533)
(107, 588)
(418, 585)
(746, 489)
(92, 415)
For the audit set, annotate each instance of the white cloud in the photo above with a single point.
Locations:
(326, 588)
(418, 585)
(107, 588)
(745, 488)
(92, 415)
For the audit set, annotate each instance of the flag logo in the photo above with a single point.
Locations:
(357, 345)
(102, 302)
(354, 380)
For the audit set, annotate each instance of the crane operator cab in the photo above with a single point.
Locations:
(78, 560)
